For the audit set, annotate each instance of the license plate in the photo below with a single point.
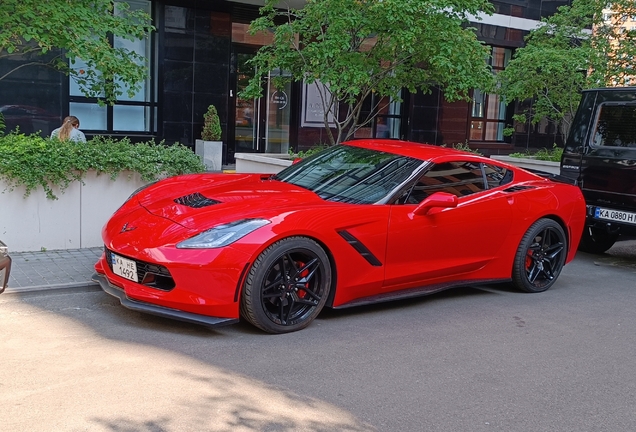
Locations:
(124, 267)
(615, 215)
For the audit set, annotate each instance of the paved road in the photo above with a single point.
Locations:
(471, 359)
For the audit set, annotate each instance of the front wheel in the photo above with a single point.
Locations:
(540, 256)
(287, 286)
(596, 240)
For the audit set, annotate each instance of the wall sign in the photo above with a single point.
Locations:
(312, 106)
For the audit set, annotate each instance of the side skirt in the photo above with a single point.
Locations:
(415, 292)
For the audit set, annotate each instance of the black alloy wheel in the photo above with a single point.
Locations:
(540, 256)
(287, 286)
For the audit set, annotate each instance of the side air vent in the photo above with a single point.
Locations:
(518, 188)
(360, 248)
(196, 200)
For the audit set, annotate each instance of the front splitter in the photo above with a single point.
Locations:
(161, 311)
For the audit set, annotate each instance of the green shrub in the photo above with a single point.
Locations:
(211, 125)
(464, 147)
(32, 161)
(316, 148)
(553, 155)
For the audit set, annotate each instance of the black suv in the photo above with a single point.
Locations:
(600, 154)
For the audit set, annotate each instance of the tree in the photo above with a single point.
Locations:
(355, 48)
(82, 29)
(563, 56)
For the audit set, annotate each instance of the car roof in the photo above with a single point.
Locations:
(411, 149)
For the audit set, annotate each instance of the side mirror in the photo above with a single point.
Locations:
(438, 199)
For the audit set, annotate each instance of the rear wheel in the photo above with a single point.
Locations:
(597, 240)
(287, 286)
(540, 256)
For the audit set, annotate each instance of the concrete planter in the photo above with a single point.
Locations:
(264, 163)
(74, 220)
(211, 154)
(548, 166)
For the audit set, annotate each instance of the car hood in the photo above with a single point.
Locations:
(198, 201)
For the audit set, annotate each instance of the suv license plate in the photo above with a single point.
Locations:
(124, 267)
(615, 215)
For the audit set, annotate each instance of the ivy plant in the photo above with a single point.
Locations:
(32, 161)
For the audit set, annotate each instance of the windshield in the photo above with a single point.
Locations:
(351, 174)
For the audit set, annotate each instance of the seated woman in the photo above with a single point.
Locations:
(69, 130)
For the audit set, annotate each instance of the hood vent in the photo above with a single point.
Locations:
(518, 188)
(196, 200)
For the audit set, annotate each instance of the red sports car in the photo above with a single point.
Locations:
(361, 222)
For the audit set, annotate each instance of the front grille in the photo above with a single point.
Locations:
(150, 275)
(196, 200)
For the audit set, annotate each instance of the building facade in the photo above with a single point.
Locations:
(198, 57)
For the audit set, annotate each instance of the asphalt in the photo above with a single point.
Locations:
(73, 268)
(37, 271)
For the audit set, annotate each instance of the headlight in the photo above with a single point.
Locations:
(222, 235)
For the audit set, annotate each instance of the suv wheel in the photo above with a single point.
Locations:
(596, 240)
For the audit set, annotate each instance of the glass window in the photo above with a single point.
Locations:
(136, 113)
(350, 174)
(616, 126)
(488, 114)
(91, 115)
(457, 178)
(497, 176)
(387, 123)
(131, 118)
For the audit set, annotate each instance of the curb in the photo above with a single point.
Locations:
(53, 287)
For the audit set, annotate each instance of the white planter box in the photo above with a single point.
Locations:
(263, 163)
(211, 154)
(74, 220)
(547, 166)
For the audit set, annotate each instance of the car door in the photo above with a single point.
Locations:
(608, 171)
(447, 242)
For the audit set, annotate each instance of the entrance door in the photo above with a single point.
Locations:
(260, 125)
(245, 110)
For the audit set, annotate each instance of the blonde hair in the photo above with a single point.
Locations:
(65, 131)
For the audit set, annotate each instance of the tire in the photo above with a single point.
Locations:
(540, 257)
(596, 240)
(287, 286)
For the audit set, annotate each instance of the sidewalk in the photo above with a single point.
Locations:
(36, 271)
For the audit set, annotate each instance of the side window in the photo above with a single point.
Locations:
(497, 176)
(457, 178)
(616, 126)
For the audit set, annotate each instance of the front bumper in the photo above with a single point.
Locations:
(161, 311)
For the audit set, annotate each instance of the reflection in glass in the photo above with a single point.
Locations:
(91, 116)
(278, 115)
(494, 131)
(245, 124)
(476, 128)
(479, 100)
(131, 118)
(350, 174)
(616, 126)
(140, 47)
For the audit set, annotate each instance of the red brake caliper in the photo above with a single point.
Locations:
(304, 273)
